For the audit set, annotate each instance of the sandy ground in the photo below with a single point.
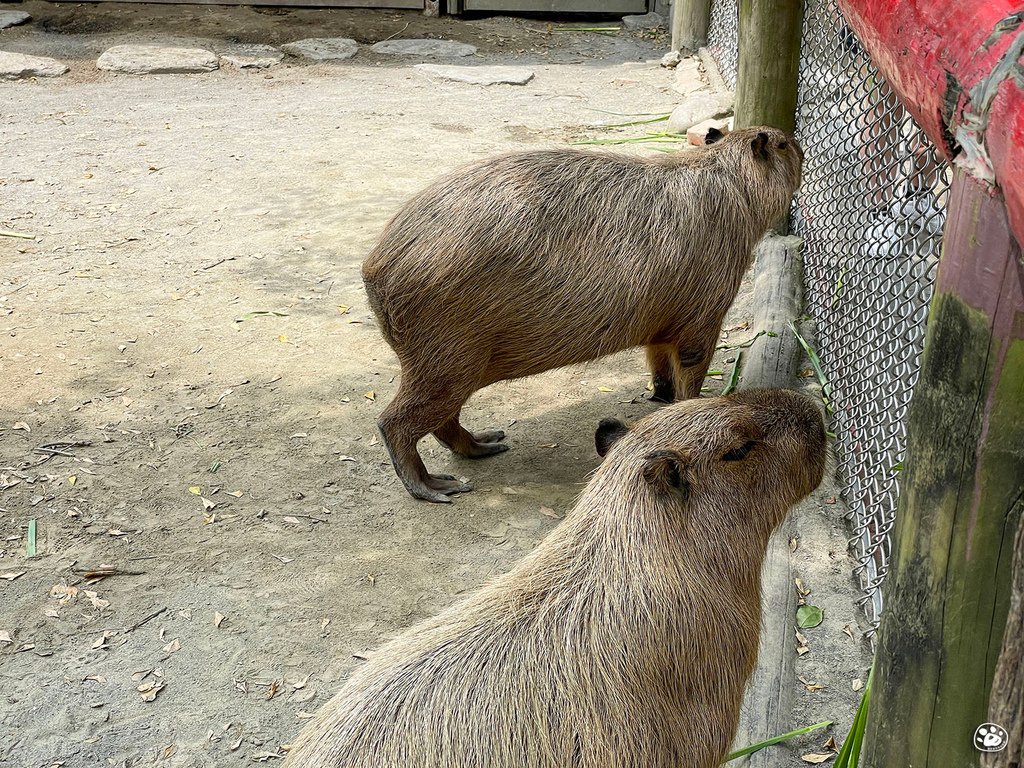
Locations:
(191, 320)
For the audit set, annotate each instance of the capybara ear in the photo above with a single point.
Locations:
(759, 145)
(712, 136)
(608, 433)
(666, 470)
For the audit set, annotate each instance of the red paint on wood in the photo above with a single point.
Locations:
(938, 56)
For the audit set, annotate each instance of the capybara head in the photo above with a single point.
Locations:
(768, 160)
(745, 458)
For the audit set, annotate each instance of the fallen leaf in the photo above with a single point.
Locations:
(816, 757)
(848, 631)
(282, 558)
(52, 613)
(801, 588)
(101, 642)
(370, 396)
(12, 575)
(292, 520)
(173, 646)
(72, 479)
(857, 684)
(96, 600)
(324, 623)
(22, 425)
(95, 679)
(304, 715)
(150, 690)
(549, 512)
(275, 688)
(236, 494)
(605, 389)
(809, 616)
(794, 544)
(195, 489)
(207, 504)
(830, 744)
(117, 532)
(5, 636)
(343, 309)
(218, 619)
(802, 650)
(343, 457)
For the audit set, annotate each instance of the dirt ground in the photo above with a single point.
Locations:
(189, 329)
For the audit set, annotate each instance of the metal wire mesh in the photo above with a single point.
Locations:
(723, 38)
(871, 211)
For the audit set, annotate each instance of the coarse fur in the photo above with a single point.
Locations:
(625, 638)
(537, 260)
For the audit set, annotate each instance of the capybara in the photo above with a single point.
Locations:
(538, 260)
(625, 638)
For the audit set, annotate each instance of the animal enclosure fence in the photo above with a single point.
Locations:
(871, 212)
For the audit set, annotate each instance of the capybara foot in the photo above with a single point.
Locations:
(437, 488)
(663, 392)
(484, 444)
(489, 436)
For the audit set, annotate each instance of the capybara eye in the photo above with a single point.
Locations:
(783, 144)
(739, 453)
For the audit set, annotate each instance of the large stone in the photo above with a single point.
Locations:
(644, 21)
(323, 48)
(441, 49)
(156, 60)
(478, 75)
(703, 106)
(13, 18)
(18, 66)
(251, 55)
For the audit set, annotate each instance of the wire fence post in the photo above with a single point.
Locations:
(690, 21)
(769, 63)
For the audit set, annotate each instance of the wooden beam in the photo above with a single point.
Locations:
(769, 61)
(690, 22)
(948, 588)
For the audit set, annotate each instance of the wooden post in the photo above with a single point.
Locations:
(431, 7)
(1006, 707)
(690, 22)
(948, 588)
(769, 61)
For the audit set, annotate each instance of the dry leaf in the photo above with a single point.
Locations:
(302, 715)
(218, 619)
(275, 688)
(101, 642)
(173, 646)
(549, 512)
(150, 690)
(345, 458)
(207, 504)
(117, 532)
(794, 544)
(370, 395)
(372, 578)
(72, 479)
(236, 494)
(11, 576)
(801, 638)
(802, 650)
(343, 308)
(816, 757)
(52, 613)
(830, 744)
(283, 559)
(302, 682)
(95, 678)
(96, 600)
(605, 389)
(22, 425)
(292, 520)
(857, 684)
(848, 631)
(5, 636)
(195, 489)
(324, 623)
(804, 591)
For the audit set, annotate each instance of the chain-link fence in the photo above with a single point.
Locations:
(871, 211)
(723, 38)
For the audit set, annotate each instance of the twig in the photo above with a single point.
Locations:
(56, 449)
(151, 616)
(397, 33)
(99, 573)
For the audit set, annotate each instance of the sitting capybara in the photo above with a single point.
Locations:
(538, 260)
(625, 639)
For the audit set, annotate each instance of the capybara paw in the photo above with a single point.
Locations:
(489, 436)
(482, 450)
(663, 395)
(447, 484)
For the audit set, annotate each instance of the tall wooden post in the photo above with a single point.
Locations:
(769, 62)
(948, 588)
(690, 22)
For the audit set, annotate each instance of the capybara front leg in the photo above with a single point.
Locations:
(690, 368)
(402, 424)
(659, 359)
(472, 445)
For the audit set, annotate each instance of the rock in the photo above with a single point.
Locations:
(18, 66)
(441, 49)
(478, 75)
(156, 60)
(697, 134)
(13, 18)
(702, 106)
(646, 21)
(671, 59)
(251, 56)
(323, 48)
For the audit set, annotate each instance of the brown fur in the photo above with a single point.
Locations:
(533, 261)
(625, 639)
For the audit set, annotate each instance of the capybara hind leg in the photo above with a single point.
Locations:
(659, 359)
(405, 420)
(472, 445)
(690, 368)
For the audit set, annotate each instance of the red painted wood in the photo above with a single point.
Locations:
(933, 53)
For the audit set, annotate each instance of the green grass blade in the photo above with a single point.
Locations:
(9, 233)
(734, 377)
(777, 740)
(30, 546)
(849, 753)
(815, 361)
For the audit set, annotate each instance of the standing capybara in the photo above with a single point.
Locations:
(533, 261)
(625, 639)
